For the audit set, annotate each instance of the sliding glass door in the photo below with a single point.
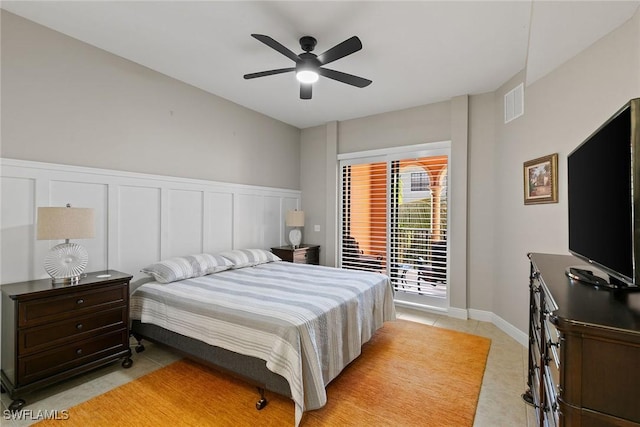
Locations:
(394, 214)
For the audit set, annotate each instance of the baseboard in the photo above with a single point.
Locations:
(458, 313)
(481, 315)
(512, 331)
(421, 307)
(503, 325)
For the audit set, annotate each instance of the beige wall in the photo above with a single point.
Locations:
(482, 201)
(561, 110)
(313, 186)
(429, 123)
(64, 101)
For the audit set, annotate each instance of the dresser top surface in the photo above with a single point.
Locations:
(45, 286)
(578, 302)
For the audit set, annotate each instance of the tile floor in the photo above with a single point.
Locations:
(500, 403)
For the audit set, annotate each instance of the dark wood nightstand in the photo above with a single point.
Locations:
(51, 332)
(304, 254)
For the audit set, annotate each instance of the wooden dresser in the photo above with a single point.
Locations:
(51, 332)
(304, 254)
(584, 349)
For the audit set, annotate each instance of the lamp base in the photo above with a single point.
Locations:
(66, 262)
(295, 237)
(66, 280)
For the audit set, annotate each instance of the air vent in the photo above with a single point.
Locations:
(514, 103)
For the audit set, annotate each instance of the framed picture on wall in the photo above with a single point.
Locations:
(541, 180)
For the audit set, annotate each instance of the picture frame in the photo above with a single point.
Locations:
(541, 180)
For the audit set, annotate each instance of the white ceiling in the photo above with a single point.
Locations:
(416, 52)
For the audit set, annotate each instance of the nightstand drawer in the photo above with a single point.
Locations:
(45, 364)
(301, 257)
(46, 336)
(57, 307)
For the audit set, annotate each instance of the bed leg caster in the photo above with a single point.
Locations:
(260, 404)
(127, 363)
(140, 346)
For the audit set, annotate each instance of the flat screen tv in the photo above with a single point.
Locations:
(603, 186)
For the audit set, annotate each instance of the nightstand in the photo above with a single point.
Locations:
(52, 332)
(304, 254)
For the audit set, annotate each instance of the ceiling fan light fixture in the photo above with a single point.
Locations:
(307, 76)
(310, 66)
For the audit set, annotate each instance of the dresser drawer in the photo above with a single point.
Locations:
(553, 342)
(49, 309)
(46, 336)
(60, 359)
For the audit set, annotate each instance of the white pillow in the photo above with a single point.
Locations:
(213, 263)
(179, 268)
(249, 257)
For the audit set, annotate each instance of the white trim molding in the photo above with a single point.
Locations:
(503, 325)
(140, 218)
(480, 315)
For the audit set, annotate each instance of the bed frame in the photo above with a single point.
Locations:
(250, 369)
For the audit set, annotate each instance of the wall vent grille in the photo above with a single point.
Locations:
(514, 103)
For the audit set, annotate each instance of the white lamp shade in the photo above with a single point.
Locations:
(65, 223)
(294, 219)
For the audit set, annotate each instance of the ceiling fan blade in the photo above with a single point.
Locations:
(268, 73)
(341, 50)
(276, 45)
(349, 79)
(305, 90)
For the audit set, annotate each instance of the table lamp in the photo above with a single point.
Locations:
(65, 262)
(295, 219)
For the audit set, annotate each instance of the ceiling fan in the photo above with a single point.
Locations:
(309, 66)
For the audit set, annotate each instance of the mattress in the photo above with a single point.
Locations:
(307, 322)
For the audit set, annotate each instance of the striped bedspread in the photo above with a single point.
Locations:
(306, 321)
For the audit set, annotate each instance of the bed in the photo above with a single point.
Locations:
(289, 328)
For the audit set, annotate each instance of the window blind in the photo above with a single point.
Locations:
(394, 220)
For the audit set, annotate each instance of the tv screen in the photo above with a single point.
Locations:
(600, 198)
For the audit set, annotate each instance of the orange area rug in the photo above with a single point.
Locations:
(409, 374)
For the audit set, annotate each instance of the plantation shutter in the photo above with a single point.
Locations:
(364, 216)
(394, 220)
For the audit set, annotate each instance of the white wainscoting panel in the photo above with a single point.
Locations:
(219, 208)
(272, 227)
(138, 227)
(18, 214)
(249, 215)
(185, 222)
(140, 218)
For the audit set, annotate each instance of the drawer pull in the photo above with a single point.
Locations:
(79, 326)
(79, 351)
(80, 301)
